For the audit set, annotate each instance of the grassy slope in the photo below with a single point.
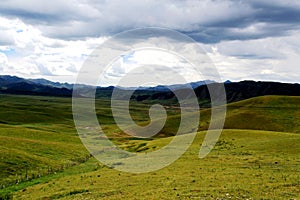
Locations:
(35, 131)
(274, 113)
(244, 164)
(270, 113)
(37, 137)
(27, 153)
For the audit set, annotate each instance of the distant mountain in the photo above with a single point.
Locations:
(16, 85)
(50, 83)
(7, 80)
(235, 91)
(193, 85)
(248, 89)
(162, 88)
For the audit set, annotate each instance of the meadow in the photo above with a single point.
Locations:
(257, 156)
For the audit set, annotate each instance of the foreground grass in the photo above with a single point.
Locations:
(88, 166)
(244, 164)
(27, 154)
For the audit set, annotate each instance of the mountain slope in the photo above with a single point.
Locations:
(45, 82)
(248, 89)
(16, 85)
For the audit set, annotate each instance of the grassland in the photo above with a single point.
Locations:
(244, 164)
(37, 138)
(256, 157)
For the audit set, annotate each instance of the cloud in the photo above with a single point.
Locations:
(277, 11)
(48, 13)
(3, 60)
(43, 70)
(203, 20)
(273, 59)
(248, 39)
(6, 38)
(34, 55)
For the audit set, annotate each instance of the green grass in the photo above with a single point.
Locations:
(274, 113)
(270, 113)
(42, 156)
(27, 153)
(37, 138)
(244, 164)
(33, 110)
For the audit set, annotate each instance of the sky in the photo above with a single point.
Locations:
(245, 39)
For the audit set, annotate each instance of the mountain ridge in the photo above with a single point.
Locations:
(235, 91)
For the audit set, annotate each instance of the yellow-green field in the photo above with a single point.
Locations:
(257, 156)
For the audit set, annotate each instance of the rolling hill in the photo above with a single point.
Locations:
(269, 113)
(245, 164)
(40, 148)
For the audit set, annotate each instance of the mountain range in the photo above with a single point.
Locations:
(235, 91)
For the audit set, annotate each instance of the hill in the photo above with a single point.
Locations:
(269, 113)
(273, 113)
(244, 165)
(38, 139)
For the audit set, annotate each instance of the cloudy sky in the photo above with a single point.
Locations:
(258, 39)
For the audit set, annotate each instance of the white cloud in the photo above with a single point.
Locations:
(275, 59)
(252, 39)
(34, 55)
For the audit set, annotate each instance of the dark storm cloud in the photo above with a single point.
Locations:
(33, 17)
(216, 34)
(268, 11)
(208, 21)
(275, 19)
(51, 13)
